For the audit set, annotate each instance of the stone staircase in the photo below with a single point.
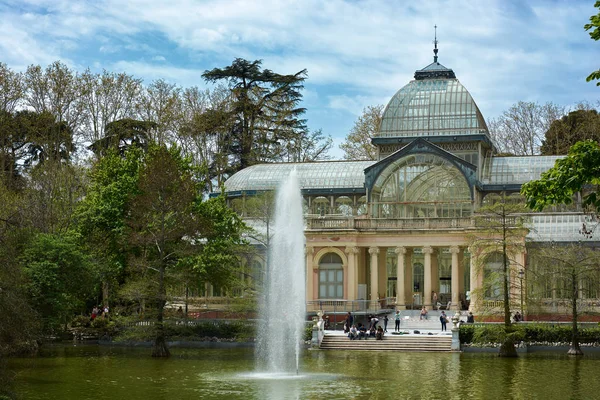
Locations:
(424, 343)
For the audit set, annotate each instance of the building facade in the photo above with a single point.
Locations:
(399, 231)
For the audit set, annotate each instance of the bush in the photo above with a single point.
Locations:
(192, 330)
(529, 333)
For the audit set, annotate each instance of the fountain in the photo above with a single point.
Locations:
(282, 311)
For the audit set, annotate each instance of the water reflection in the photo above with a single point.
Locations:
(92, 373)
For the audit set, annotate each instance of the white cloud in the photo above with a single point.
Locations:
(355, 52)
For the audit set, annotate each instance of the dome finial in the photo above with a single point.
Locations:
(435, 42)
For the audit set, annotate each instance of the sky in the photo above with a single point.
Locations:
(357, 53)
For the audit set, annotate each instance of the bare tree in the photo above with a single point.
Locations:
(56, 90)
(358, 142)
(520, 130)
(106, 98)
(12, 89)
(574, 270)
(160, 102)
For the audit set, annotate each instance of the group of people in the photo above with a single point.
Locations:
(99, 311)
(360, 331)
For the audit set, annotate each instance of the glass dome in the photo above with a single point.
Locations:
(432, 107)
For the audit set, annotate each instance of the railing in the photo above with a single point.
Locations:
(343, 306)
(366, 224)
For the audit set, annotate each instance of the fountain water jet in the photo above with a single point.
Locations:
(282, 310)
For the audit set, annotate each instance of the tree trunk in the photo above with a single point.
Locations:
(160, 348)
(105, 294)
(575, 349)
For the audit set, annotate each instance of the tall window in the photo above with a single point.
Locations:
(493, 276)
(331, 277)
(392, 272)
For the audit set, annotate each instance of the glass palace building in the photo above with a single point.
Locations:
(392, 231)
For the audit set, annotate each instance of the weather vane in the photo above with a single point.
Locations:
(435, 42)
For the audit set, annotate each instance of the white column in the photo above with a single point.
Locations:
(427, 251)
(351, 253)
(476, 288)
(401, 278)
(374, 252)
(455, 250)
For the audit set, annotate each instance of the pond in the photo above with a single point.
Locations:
(99, 372)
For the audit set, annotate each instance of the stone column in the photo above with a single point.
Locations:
(427, 251)
(474, 302)
(455, 250)
(374, 252)
(401, 278)
(309, 251)
(351, 253)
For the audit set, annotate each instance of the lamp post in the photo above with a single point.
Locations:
(521, 274)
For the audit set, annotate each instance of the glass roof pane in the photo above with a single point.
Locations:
(318, 175)
(517, 170)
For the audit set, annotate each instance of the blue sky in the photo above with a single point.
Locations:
(358, 53)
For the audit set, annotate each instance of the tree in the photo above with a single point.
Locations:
(52, 196)
(520, 129)
(594, 28)
(101, 215)
(358, 142)
(28, 138)
(579, 125)
(122, 134)
(59, 278)
(264, 113)
(579, 172)
(574, 268)
(160, 103)
(12, 89)
(500, 237)
(106, 98)
(19, 328)
(309, 146)
(55, 90)
(160, 220)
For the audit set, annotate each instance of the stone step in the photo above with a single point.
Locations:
(390, 343)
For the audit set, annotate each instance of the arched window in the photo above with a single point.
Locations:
(331, 277)
(321, 206)
(422, 186)
(343, 205)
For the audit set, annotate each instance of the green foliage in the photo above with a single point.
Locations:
(542, 333)
(568, 176)
(264, 114)
(220, 240)
(594, 28)
(122, 134)
(196, 330)
(577, 126)
(60, 278)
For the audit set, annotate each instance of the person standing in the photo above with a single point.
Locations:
(434, 300)
(443, 320)
(397, 321)
(349, 320)
(385, 321)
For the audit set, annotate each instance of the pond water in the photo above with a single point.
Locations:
(98, 372)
